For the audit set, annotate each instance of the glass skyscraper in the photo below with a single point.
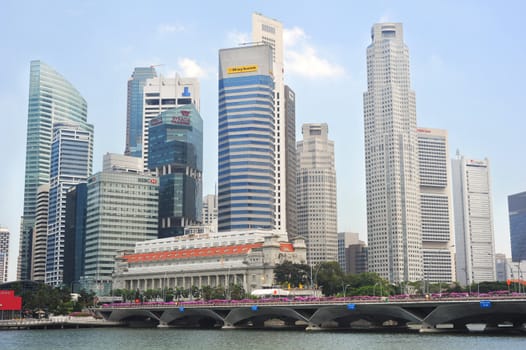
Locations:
(134, 129)
(71, 159)
(176, 155)
(52, 99)
(517, 214)
(246, 139)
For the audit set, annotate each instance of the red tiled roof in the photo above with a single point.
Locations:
(239, 249)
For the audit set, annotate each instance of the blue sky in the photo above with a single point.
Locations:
(467, 69)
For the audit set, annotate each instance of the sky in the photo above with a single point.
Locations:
(467, 68)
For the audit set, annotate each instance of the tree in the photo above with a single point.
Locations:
(330, 277)
(294, 274)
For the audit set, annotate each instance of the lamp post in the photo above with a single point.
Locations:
(345, 289)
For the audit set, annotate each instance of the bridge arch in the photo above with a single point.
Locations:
(244, 315)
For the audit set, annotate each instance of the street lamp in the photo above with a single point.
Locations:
(345, 289)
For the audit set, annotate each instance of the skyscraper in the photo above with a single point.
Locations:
(270, 31)
(52, 99)
(71, 159)
(209, 216)
(316, 194)
(176, 156)
(246, 162)
(436, 206)
(4, 254)
(39, 256)
(473, 211)
(161, 94)
(131, 217)
(517, 214)
(134, 110)
(391, 159)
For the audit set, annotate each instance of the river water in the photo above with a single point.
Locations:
(146, 339)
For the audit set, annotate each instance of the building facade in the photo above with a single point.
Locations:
(121, 210)
(161, 94)
(270, 32)
(39, 241)
(75, 236)
(352, 253)
(517, 215)
(52, 99)
(316, 194)
(134, 110)
(436, 206)
(71, 162)
(391, 159)
(246, 161)
(473, 210)
(176, 156)
(4, 254)
(209, 213)
(221, 259)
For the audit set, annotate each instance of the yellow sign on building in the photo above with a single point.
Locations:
(242, 69)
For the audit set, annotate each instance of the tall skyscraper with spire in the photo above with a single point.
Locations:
(391, 159)
(52, 99)
(270, 31)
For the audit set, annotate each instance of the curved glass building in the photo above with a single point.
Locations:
(246, 139)
(52, 99)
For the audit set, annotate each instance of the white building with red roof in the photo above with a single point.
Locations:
(207, 259)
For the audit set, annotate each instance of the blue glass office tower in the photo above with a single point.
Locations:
(246, 139)
(135, 112)
(52, 99)
(71, 159)
(176, 154)
(517, 213)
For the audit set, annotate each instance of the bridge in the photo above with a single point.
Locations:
(453, 315)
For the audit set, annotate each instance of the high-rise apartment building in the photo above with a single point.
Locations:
(52, 99)
(391, 159)
(161, 94)
(474, 239)
(71, 161)
(517, 215)
(4, 254)
(316, 194)
(131, 217)
(134, 111)
(209, 213)
(270, 32)
(436, 207)
(176, 156)
(246, 172)
(38, 261)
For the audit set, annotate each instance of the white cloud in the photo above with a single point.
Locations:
(292, 36)
(190, 68)
(170, 28)
(235, 38)
(303, 59)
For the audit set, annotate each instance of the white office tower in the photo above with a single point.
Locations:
(391, 159)
(316, 194)
(160, 94)
(436, 206)
(4, 253)
(473, 221)
(209, 212)
(269, 31)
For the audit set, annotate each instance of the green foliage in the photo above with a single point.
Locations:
(294, 274)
